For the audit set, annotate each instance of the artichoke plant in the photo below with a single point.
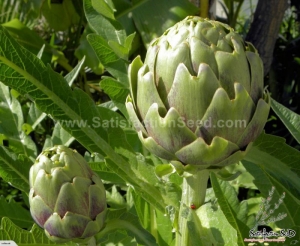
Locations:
(66, 197)
(198, 98)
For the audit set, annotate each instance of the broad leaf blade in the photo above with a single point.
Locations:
(273, 163)
(290, 119)
(36, 236)
(14, 170)
(228, 202)
(215, 229)
(19, 215)
(278, 159)
(29, 39)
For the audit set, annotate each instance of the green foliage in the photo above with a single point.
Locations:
(48, 97)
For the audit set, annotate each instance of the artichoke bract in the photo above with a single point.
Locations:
(66, 198)
(198, 98)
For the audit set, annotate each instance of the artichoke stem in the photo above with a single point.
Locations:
(193, 196)
(91, 242)
(204, 8)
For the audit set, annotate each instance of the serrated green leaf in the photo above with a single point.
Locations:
(36, 236)
(14, 170)
(290, 119)
(59, 135)
(111, 119)
(15, 212)
(29, 39)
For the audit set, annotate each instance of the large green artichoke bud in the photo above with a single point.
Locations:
(66, 197)
(198, 98)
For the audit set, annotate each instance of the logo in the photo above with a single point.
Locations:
(266, 215)
(7, 243)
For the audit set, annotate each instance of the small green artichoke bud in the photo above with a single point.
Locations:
(198, 98)
(66, 198)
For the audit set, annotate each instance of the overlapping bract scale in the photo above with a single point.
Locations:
(199, 97)
(66, 198)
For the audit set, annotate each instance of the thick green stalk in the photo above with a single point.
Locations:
(92, 242)
(193, 194)
(204, 8)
